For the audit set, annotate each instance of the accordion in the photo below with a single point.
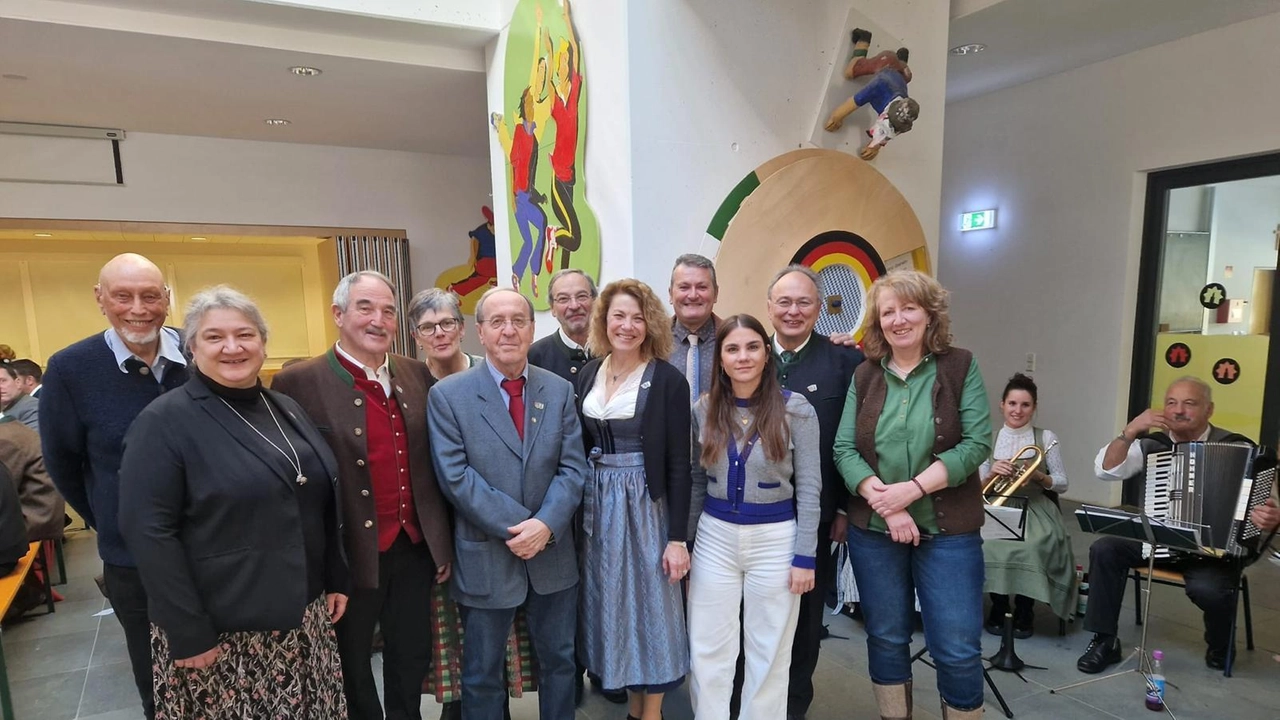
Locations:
(1210, 488)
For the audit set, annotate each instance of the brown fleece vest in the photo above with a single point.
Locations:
(956, 509)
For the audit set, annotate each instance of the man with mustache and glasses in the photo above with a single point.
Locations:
(371, 407)
(1210, 583)
(92, 392)
(564, 352)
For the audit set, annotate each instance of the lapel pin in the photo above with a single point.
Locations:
(399, 389)
(533, 419)
(537, 405)
(813, 388)
(645, 384)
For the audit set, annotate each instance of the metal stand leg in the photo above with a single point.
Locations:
(985, 675)
(1144, 667)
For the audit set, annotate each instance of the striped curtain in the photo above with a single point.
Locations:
(389, 256)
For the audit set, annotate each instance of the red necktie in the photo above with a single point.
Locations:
(515, 388)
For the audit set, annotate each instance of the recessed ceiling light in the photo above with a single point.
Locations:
(276, 121)
(968, 49)
(305, 71)
(196, 238)
(13, 76)
(44, 234)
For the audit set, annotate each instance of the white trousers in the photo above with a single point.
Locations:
(747, 565)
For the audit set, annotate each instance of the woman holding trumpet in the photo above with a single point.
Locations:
(1041, 566)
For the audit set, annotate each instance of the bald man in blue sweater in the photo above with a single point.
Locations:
(92, 392)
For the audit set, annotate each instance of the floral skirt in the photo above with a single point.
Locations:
(273, 675)
(445, 679)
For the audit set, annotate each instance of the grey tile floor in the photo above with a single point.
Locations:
(73, 666)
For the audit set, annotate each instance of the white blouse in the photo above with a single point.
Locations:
(622, 405)
(1009, 441)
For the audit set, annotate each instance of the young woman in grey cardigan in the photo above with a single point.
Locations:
(756, 487)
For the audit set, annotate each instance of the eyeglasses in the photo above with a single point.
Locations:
(581, 298)
(448, 325)
(785, 303)
(498, 323)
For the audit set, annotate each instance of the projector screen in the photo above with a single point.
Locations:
(79, 161)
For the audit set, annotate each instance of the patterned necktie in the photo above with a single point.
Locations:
(691, 368)
(515, 388)
(787, 357)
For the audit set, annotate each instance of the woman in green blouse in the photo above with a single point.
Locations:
(916, 427)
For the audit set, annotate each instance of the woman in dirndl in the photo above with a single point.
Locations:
(228, 503)
(635, 419)
(1041, 566)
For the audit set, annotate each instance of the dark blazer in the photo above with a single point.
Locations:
(822, 374)
(216, 552)
(495, 481)
(664, 435)
(550, 353)
(324, 388)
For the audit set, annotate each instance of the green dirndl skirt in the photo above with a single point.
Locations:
(1042, 566)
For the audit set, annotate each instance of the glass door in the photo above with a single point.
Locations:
(1211, 239)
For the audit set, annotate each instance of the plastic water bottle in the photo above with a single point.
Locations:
(1155, 690)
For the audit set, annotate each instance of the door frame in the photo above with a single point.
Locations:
(1146, 319)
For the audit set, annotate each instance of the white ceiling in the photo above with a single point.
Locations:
(161, 84)
(1031, 39)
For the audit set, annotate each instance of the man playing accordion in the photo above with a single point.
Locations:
(1210, 582)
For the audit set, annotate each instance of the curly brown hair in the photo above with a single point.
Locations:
(658, 341)
(910, 286)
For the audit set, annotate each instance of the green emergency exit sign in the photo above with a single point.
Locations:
(978, 220)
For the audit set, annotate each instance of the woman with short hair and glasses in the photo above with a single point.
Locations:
(435, 317)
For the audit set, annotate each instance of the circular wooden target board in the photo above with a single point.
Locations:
(829, 211)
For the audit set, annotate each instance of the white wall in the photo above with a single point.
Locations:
(1064, 159)
(436, 199)
(1245, 217)
(720, 86)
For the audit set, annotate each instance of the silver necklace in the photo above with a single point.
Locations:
(294, 461)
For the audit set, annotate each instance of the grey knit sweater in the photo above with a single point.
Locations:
(767, 491)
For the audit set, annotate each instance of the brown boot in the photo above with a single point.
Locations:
(950, 713)
(894, 701)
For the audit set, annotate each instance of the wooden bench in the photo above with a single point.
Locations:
(9, 586)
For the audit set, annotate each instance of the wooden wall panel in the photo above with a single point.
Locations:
(275, 284)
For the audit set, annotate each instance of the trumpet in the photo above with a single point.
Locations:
(1000, 488)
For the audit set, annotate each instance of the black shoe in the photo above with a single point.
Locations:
(1024, 621)
(1216, 659)
(995, 618)
(451, 711)
(795, 716)
(1102, 653)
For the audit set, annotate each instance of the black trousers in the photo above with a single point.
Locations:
(401, 605)
(129, 601)
(1210, 585)
(804, 652)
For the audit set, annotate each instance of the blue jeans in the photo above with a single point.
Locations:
(946, 571)
(553, 621)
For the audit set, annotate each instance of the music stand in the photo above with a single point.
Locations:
(1171, 534)
(1007, 522)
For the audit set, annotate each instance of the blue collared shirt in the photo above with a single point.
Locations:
(168, 353)
(499, 377)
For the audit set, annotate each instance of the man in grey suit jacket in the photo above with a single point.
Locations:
(509, 456)
(14, 400)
